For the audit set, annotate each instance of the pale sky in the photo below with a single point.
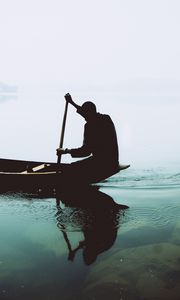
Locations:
(95, 42)
(126, 51)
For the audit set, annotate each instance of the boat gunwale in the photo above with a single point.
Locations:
(29, 173)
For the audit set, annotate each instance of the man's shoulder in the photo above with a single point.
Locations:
(105, 119)
(103, 116)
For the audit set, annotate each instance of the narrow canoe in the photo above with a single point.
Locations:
(31, 176)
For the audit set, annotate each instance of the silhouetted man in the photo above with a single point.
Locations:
(100, 145)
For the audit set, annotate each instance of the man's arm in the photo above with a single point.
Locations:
(70, 100)
(80, 152)
(76, 152)
(83, 151)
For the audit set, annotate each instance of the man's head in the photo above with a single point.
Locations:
(87, 110)
(89, 255)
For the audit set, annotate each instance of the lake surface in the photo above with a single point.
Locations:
(54, 252)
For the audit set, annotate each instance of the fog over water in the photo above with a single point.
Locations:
(147, 128)
(124, 56)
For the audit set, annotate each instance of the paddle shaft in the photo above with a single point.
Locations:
(63, 131)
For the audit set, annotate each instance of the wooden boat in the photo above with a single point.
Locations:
(32, 176)
(20, 175)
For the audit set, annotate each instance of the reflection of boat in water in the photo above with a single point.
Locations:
(98, 219)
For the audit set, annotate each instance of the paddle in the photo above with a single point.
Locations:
(42, 166)
(63, 130)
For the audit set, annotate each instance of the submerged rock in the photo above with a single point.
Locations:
(145, 272)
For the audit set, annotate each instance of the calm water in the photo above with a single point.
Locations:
(49, 252)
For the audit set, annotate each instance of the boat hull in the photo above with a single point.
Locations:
(34, 176)
(12, 165)
(14, 176)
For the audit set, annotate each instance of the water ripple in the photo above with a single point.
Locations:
(154, 216)
(157, 178)
(24, 208)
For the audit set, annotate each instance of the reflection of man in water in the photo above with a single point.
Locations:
(97, 239)
(100, 141)
(101, 225)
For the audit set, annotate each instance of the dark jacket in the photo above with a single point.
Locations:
(100, 140)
